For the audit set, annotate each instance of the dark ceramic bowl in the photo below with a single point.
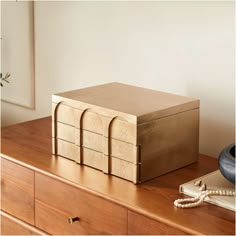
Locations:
(227, 163)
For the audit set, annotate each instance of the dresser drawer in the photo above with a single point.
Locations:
(142, 225)
(17, 185)
(13, 226)
(57, 201)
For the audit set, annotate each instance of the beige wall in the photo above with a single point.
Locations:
(184, 47)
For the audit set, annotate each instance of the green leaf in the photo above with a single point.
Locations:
(7, 76)
(5, 80)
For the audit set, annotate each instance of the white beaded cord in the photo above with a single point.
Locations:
(196, 201)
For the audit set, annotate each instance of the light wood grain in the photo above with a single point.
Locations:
(162, 137)
(94, 146)
(117, 167)
(92, 140)
(124, 99)
(123, 130)
(17, 191)
(66, 132)
(57, 201)
(119, 149)
(141, 225)
(13, 226)
(63, 113)
(123, 169)
(93, 158)
(29, 144)
(67, 149)
(93, 122)
(123, 150)
(168, 144)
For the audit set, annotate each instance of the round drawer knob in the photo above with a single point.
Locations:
(72, 220)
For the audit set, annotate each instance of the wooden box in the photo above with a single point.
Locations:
(127, 131)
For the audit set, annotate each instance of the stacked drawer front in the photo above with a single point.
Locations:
(103, 142)
(64, 131)
(92, 141)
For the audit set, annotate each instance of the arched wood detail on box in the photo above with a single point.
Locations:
(94, 121)
(54, 127)
(110, 129)
(103, 142)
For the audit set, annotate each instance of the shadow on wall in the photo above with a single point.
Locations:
(214, 136)
(217, 117)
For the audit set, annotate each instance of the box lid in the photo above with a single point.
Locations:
(144, 104)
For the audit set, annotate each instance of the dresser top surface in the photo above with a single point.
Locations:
(29, 144)
(130, 99)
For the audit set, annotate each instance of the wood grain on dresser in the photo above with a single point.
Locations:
(57, 201)
(29, 145)
(139, 224)
(12, 226)
(17, 185)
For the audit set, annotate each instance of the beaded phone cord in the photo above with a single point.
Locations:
(196, 201)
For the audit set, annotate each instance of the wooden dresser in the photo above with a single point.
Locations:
(46, 194)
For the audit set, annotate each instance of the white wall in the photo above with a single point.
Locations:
(185, 48)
